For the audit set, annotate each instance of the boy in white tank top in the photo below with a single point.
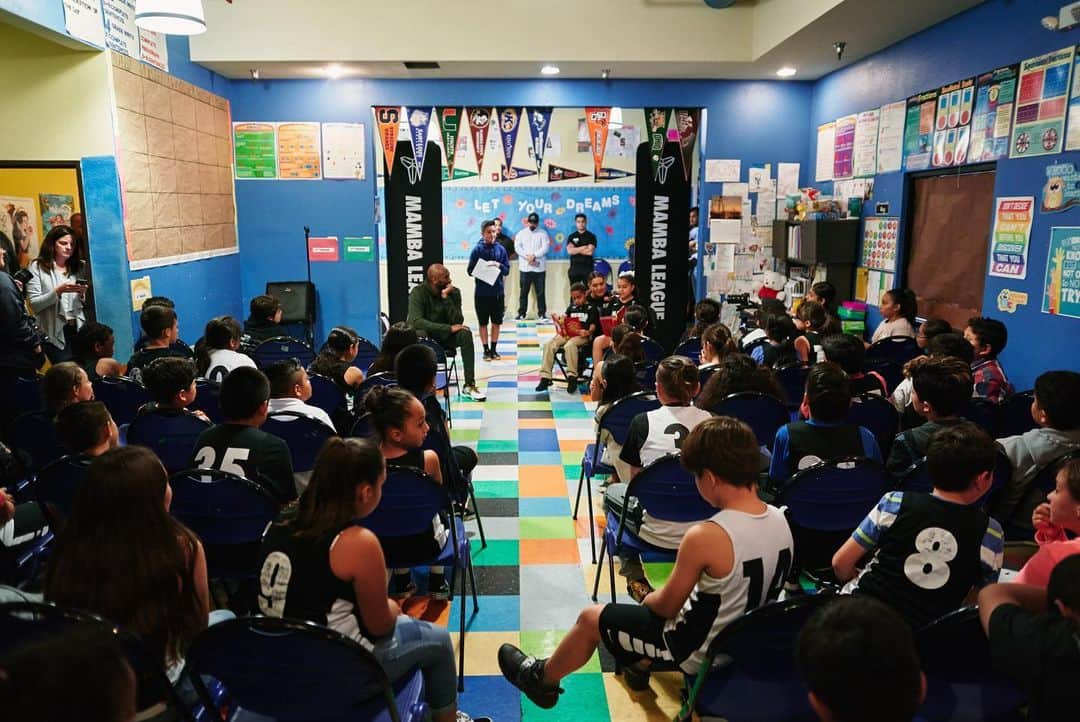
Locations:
(732, 563)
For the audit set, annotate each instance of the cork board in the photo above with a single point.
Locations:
(174, 155)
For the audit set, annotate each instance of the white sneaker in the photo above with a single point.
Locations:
(473, 393)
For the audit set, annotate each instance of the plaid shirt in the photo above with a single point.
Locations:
(990, 381)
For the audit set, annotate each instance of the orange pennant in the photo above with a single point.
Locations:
(388, 117)
(598, 119)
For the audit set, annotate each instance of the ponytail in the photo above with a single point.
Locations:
(678, 377)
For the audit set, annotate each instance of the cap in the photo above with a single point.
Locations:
(533, 218)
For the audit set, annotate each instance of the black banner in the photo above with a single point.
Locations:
(414, 238)
(661, 249)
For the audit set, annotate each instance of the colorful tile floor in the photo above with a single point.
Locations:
(535, 575)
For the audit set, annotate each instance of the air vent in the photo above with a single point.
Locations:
(421, 65)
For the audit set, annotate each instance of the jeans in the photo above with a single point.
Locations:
(415, 643)
(537, 279)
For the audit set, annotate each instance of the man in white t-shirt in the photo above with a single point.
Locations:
(290, 388)
(531, 245)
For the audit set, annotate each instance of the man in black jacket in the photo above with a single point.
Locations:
(20, 339)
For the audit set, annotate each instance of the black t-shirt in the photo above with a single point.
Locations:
(257, 330)
(580, 264)
(144, 357)
(1041, 652)
(249, 452)
(507, 243)
(586, 314)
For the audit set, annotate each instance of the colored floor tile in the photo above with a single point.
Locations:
(544, 506)
(497, 614)
(549, 551)
(499, 552)
(537, 439)
(546, 527)
(583, 700)
(495, 489)
(539, 458)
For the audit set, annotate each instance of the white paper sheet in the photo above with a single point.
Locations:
(787, 179)
(343, 150)
(737, 189)
(725, 258)
(826, 148)
(890, 145)
(83, 20)
(722, 171)
(725, 230)
(759, 177)
(866, 135)
(487, 271)
(766, 204)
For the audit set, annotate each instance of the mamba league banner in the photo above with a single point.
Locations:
(662, 243)
(414, 237)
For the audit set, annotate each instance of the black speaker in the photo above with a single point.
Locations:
(297, 300)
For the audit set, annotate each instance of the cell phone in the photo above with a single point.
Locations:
(81, 282)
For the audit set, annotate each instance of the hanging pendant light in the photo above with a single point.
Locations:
(172, 17)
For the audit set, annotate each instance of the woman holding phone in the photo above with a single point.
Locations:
(56, 291)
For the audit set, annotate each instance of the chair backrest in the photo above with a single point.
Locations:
(890, 370)
(440, 352)
(1013, 417)
(793, 380)
(307, 672)
(366, 352)
(763, 413)
(282, 348)
(898, 349)
(616, 420)
(123, 397)
(625, 266)
(760, 343)
(170, 433)
(410, 500)
(982, 413)
(208, 400)
(705, 374)
(220, 507)
(877, 415)
(645, 372)
(54, 487)
(384, 324)
(383, 378)
(363, 427)
(35, 434)
(600, 265)
(1046, 478)
(303, 435)
(668, 492)
(690, 348)
(326, 394)
(20, 394)
(834, 495)
(917, 477)
(654, 352)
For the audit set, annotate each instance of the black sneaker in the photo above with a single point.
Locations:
(571, 385)
(495, 355)
(401, 586)
(543, 385)
(519, 317)
(487, 355)
(527, 674)
(438, 587)
(636, 678)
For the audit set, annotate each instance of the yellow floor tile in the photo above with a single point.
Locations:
(659, 703)
(482, 650)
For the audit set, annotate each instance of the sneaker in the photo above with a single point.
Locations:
(527, 674)
(638, 589)
(401, 586)
(495, 355)
(463, 717)
(487, 355)
(438, 587)
(519, 317)
(636, 678)
(470, 391)
(571, 385)
(543, 385)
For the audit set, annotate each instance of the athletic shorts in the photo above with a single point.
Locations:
(490, 309)
(633, 632)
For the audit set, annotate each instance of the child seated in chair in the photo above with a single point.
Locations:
(162, 332)
(574, 332)
(264, 322)
(400, 422)
(1033, 634)
(171, 383)
(94, 347)
(1056, 409)
(616, 379)
(1057, 523)
(218, 353)
(929, 550)
(941, 388)
(727, 565)
(848, 352)
(65, 384)
(652, 435)
(335, 358)
(824, 435)
(940, 345)
(988, 337)
(290, 389)
(87, 428)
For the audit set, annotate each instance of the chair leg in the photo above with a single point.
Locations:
(472, 585)
(461, 640)
(592, 523)
(580, 483)
(599, 567)
(479, 520)
(611, 573)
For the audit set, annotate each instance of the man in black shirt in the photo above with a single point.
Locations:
(20, 339)
(581, 246)
(238, 446)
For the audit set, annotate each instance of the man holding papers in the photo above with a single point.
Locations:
(488, 263)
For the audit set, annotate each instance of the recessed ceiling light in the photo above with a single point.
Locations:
(549, 70)
(334, 71)
(786, 72)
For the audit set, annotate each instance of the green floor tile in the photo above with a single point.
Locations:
(546, 527)
(572, 471)
(584, 700)
(462, 435)
(496, 489)
(582, 413)
(541, 644)
(534, 405)
(499, 552)
(571, 457)
(494, 445)
(501, 405)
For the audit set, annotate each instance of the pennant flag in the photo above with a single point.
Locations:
(458, 174)
(479, 120)
(597, 119)
(539, 125)
(508, 127)
(387, 118)
(658, 120)
(688, 129)
(419, 120)
(612, 174)
(450, 124)
(514, 173)
(558, 173)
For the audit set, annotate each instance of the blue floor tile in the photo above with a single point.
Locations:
(544, 506)
(497, 614)
(537, 440)
(545, 458)
(490, 696)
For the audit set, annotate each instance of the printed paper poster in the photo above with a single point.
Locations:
(153, 49)
(919, 130)
(826, 148)
(1062, 189)
(254, 150)
(343, 151)
(1008, 301)
(880, 238)
(890, 141)
(1072, 137)
(1010, 238)
(121, 32)
(720, 170)
(597, 119)
(141, 291)
(479, 121)
(759, 177)
(56, 210)
(995, 94)
(83, 20)
(419, 120)
(1039, 120)
(952, 135)
(866, 135)
(1061, 289)
(388, 118)
(299, 151)
(623, 142)
(787, 179)
(844, 153)
(323, 250)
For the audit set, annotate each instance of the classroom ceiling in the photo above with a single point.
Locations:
(505, 39)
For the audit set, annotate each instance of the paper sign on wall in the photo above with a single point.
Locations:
(826, 147)
(844, 151)
(82, 20)
(1039, 120)
(1010, 239)
(359, 250)
(890, 142)
(1062, 189)
(323, 249)
(255, 150)
(919, 130)
(721, 170)
(866, 135)
(995, 93)
(140, 291)
(1061, 288)
(299, 151)
(153, 49)
(343, 150)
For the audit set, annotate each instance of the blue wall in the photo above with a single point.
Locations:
(757, 122)
(996, 33)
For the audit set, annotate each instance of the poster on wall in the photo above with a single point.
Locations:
(844, 147)
(597, 120)
(890, 143)
(56, 210)
(826, 147)
(1072, 133)
(919, 130)
(414, 224)
(880, 238)
(18, 221)
(1011, 235)
(153, 49)
(995, 94)
(121, 32)
(1062, 189)
(82, 20)
(1061, 287)
(866, 135)
(254, 150)
(299, 151)
(952, 130)
(343, 151)
(1042, 100)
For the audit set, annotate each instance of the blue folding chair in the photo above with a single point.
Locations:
(826, 502)
(626, 266)
(616, 421)
(758, 679)
(317, 675)
(169, 433)
(654, 352)
(438, 441)
(760, 343)
(691, 349)
(444, 369)
(917, 478)
(54, 487)
(961, 683)
(793, 380)
(282, 348)
(362, 428)
(645, 372)
(208, 400)
(892, 372)
(667, 491)
(601, 265)
(898, 349)
(982, 413)
(763, 413)
(365, 354)
(328, 396)
(21, 394)
(229, 513)
(304, 436)
(384, 324)
(34, 434)
(410, 500)
(877, 415)
(382, 378)
(704, 374)
(1013, 417)
(123, 397)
